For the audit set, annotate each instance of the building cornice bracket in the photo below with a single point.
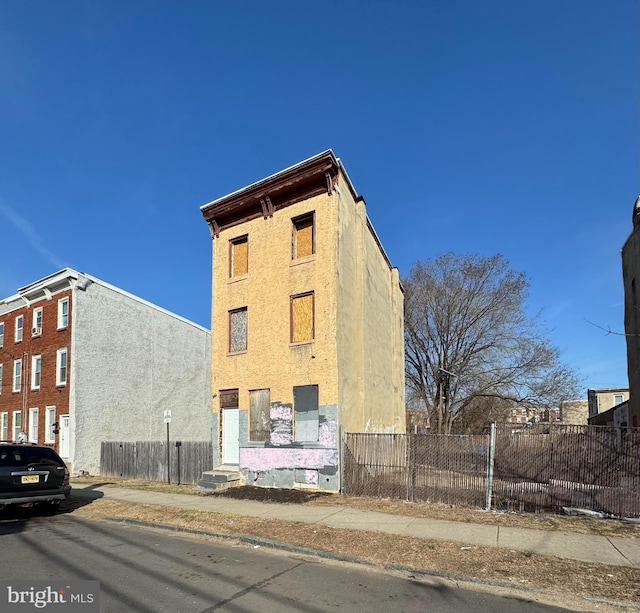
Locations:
(214, 229)
(327, 176)
(267, 207)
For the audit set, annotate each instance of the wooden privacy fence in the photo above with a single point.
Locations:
(147, 460)
(588, 467)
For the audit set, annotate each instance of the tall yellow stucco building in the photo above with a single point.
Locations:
(307, 325)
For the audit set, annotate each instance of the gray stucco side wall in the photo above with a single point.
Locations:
(129, 362)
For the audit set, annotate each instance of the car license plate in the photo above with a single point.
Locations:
(30, 479)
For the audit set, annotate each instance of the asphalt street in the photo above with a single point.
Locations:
(152, 571)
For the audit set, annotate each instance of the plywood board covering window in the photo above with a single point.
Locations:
(229, 399)
(239, 256)
(238, 330)
(259, 415)
(302, 318)
(304, 236)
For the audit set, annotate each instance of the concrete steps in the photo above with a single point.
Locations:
(220, 478)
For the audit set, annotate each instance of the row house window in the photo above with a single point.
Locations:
(4, 426)
(17, 424)
(1, 333)
(36, 329)
(19, 328)
(17, 375)
(302, 318)
(0, 378)
(239, 256)
(50, 425)
(238, 330)
(303, 244)
(61, 367)
(33, 425)
(63, 313)
(36, 372)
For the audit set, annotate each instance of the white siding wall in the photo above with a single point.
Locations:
(129, 362)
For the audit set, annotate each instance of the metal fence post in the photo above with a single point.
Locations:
(341, 459)
(490, 463)
(409, 463)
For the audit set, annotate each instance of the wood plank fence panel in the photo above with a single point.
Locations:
(147, 460)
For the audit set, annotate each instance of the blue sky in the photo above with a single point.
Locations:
(475, 127)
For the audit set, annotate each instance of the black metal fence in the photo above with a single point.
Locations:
(588, 467)
(147, 460)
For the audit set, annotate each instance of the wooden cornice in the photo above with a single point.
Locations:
(304, 180)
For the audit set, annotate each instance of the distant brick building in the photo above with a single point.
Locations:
(82, 362)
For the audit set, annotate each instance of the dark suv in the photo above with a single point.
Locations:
(32, 475)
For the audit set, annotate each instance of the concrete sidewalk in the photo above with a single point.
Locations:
(587, 548)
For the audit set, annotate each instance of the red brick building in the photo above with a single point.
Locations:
(35, 354)
(83, 362)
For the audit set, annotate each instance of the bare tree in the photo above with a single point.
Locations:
(468, 338)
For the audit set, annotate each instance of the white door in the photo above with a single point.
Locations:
(230, 436)
(64, 436)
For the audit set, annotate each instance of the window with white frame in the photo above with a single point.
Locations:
(0, 378)
(17, 375)
(33, 425)
(617, 399)
(61, 366)
(1, 333)
(36, 330)
(36, 371)
(19, 327)
(50, 425)
(4, 426)
(63, 313)
(17, 424)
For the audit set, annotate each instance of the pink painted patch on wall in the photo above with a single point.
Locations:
(327, 433)
(281, 424)
(261, 458)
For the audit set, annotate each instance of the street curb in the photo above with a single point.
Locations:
(263, 542)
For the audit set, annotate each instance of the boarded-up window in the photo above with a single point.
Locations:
(229, 399)
(259, 415)
(305, 406)
(303, 243)
(239, 256)
(302, 318)
(238, 330)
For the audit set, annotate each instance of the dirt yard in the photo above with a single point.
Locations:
(569, 579)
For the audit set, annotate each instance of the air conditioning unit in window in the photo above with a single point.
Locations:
(36, 331)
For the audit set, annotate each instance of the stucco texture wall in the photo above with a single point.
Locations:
(130, 363)
(271, 360)
(370, 330)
